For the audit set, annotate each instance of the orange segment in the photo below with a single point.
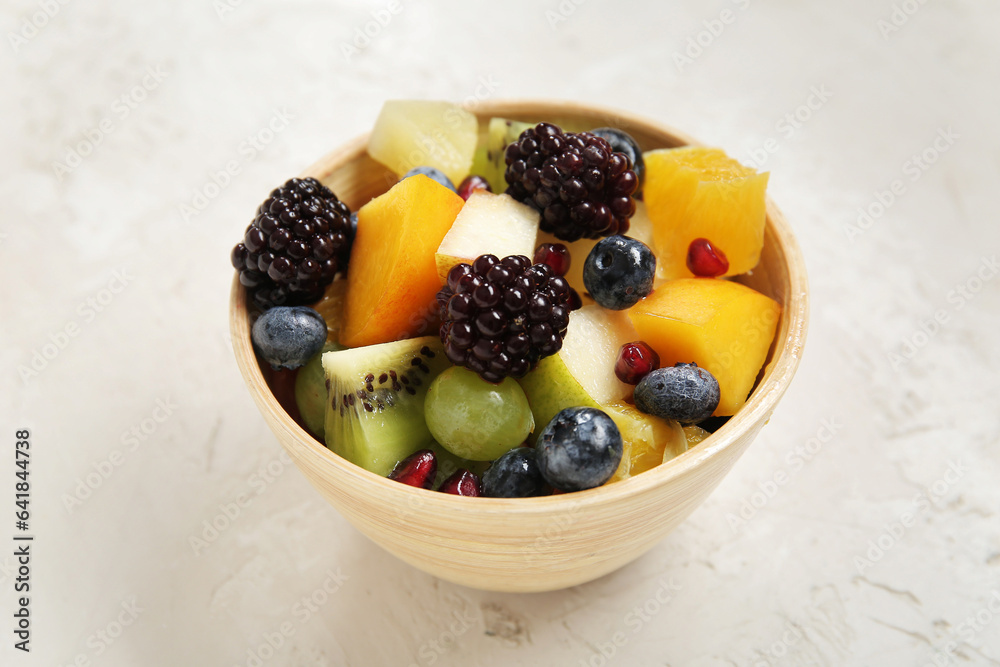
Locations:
(392, 277)
(697, 192)
(722, 326)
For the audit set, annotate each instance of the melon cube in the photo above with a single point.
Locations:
(415, 133)
(488, 224)
(593, 338)
(582, 373)
(723, 326)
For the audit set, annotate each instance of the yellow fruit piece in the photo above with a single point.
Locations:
(414, 133)
(331, 307)
(695, 435)
(648, 441)
(697, 192)
(723, 326)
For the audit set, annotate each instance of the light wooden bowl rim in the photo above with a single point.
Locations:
(757, 409)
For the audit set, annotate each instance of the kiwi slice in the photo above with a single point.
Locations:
(488, 161)
(375, 407)
(310, 391)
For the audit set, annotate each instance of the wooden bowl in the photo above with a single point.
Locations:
(548, 543)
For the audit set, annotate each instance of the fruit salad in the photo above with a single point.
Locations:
(562, 318)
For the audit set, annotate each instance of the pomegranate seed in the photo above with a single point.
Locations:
(462, 483)
(470, 184)
(556, 255)
(705, 260)
(417, 469)
(635, 361)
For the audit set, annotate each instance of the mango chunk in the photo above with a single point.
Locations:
(392, 278)
(723, 326)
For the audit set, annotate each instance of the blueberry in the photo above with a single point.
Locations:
(622, 142)
(619, 271)
(514, 475)
(579, 449)
(288, 336)
(353, 232)
(684, 393)
(434, 173)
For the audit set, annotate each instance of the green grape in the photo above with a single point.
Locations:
(475, 419)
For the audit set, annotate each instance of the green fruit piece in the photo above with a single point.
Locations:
(582, 373)
(474, 419)
(489, 163)
(375, 410)
(551, 388)
(416, 133)
(310, 391)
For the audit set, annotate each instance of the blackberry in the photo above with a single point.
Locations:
(580, 185)
(623, 142)
(499, 317)
(297, 243)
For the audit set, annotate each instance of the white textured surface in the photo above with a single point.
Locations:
(782, 588)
